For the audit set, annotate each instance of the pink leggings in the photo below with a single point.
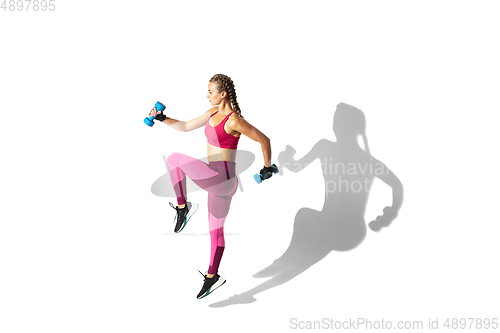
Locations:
(220, 181)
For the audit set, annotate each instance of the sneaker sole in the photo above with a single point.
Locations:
(194, 208)
(215, 286)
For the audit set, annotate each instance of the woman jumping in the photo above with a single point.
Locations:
(224, 125)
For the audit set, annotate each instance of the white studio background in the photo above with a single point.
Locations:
(86, 247)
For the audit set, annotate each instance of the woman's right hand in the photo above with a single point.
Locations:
(153, 112)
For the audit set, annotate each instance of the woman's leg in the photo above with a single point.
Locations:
(217, 243)
(220, 181)
(180, 165)
(219, 201)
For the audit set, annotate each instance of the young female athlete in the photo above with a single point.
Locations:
(224, 125)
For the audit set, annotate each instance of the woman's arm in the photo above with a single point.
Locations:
(242, 126)
(186, 126)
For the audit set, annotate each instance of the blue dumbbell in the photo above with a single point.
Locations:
(260, 178)
(149, 120)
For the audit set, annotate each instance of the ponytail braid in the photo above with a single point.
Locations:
(224, 83)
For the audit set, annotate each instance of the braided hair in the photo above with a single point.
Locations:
(224, 83)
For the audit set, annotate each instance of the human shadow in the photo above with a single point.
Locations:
(348, 172)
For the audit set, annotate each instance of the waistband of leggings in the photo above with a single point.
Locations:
(218, 163)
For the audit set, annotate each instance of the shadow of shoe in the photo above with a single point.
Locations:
(245, 298)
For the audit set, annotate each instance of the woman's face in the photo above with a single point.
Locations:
(214, 96)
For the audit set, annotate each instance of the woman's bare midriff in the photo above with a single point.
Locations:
(220, 154)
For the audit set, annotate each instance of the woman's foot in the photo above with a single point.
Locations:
(210, 284)
(183, 215)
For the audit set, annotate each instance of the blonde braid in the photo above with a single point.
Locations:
(225, 83)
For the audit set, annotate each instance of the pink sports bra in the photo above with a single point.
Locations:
(218, 137)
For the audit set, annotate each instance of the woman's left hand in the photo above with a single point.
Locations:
(266, 172)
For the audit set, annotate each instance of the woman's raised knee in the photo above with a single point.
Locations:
(173, 158)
